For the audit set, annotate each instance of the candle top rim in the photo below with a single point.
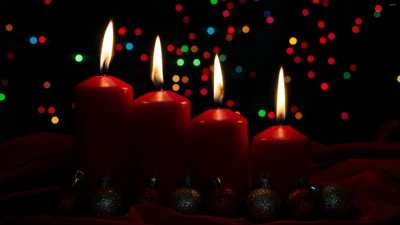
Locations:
(280, 133)
(163, 96)
(106, 82)
(219, 115)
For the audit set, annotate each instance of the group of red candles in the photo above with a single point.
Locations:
(132, 139)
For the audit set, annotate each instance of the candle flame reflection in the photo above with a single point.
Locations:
(107, 48)
(280, 99)
(157, 73)
(218, 82)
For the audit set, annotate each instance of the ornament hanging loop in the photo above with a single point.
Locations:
(78, 178)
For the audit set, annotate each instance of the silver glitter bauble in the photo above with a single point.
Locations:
(186, 199)
(105, 201)
(263, 204)
(335, 202)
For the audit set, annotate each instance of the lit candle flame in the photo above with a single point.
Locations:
(280, 99)
(107, 48)
(218, 82)
(157, 74)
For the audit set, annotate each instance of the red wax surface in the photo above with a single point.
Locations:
(102, 104)
(159, 139)
(284, 154)
(219, 147)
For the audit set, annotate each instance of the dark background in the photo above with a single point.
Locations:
(370, 96)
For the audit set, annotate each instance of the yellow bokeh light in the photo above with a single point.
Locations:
(4, 82)
(9, 27)
(293, 41)
(237, 112)
(194, 49)
(398, 78)
(211, 68)
(185, 79)
(46, 85)
(175, 87)
(229, 37)
(54, 120)
(176, 78)
(298, 115)
(245, 29)
(287, 79)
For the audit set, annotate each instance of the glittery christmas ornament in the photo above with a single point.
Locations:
(186, 199)
(149, 195)
(105, 201)
(224, 201)
(302, 202)
(69, 202)
(263, 204)
(335, 202)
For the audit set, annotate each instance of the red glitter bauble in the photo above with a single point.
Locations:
(224, 201)
(302, 202)
(149, 195)
(69, 201)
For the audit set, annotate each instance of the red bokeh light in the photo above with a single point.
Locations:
(144, 57)
(170, 48)
(311, 74)
(324, 86)
(119, 47)
(138, 31)
(122, 31)
(322, 40)
(271, 115)
(297, 59)
(230, 103)
(203, 91)
(289, 50)
(355, 29)
(42, 39)
(310, 58)
(331, 36)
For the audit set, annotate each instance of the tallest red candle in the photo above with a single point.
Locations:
(159, 136)
(280, 151)
(101, 104)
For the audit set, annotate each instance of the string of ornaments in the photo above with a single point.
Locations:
(306, 202)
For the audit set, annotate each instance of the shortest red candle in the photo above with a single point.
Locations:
(219, 144)
(280, 151)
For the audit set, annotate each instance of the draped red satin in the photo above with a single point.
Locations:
(33, 167)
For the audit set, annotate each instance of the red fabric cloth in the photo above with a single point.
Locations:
(33, 167)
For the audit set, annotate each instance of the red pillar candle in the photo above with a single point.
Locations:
(160, 123)
(101, 104)
(219, 144)
(280, 151)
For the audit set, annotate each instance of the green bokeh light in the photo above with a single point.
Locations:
(214, 2)
(262, 113)
(196, 62)
(222, 58)
(180, 62)
(79, 58)
(346, 75)
(2, 97)
(185, 48)
(377, 14)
